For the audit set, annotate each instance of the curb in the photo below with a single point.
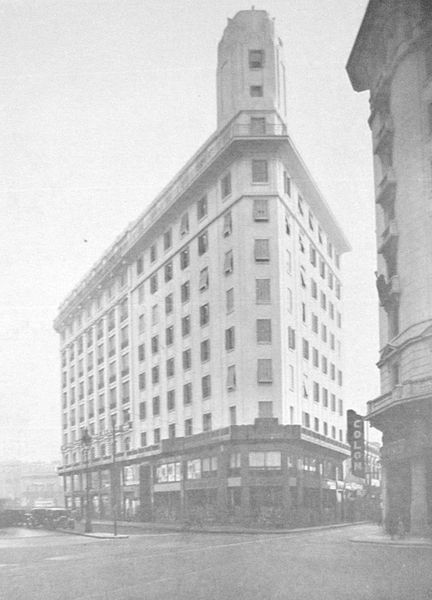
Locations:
(95, 535)
(393, 543)
(244, 530)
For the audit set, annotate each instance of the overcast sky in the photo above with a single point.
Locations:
(101, 102)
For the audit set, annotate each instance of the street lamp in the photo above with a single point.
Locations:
(114, 475)
(86, 441)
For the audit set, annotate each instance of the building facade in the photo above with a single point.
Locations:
(392, 57)
(209, 336)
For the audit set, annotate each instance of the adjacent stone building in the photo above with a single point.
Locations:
(210, 333)
(392, 57)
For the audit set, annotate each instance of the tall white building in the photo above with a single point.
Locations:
(210, 332)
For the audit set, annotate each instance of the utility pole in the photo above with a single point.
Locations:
(114, 477)
(86, 440)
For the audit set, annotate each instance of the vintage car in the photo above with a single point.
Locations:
(12, 517)
(51, 518)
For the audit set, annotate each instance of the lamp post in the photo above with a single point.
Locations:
(86, 440)
(113, 476)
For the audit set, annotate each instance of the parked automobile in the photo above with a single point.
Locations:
(51, 518)
(12, 517)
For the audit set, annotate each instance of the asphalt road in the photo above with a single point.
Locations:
(316, 565)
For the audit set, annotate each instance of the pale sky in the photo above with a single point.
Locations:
(101, 103)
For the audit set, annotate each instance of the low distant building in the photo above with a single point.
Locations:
(30, 485)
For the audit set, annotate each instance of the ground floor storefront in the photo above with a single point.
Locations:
(264, 474)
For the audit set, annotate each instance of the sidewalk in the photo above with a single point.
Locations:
(159, 527)
(381, 538)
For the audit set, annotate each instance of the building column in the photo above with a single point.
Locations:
(419, 525)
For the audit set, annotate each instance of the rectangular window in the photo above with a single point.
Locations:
(324, 393)
(291, 338)
(187, 359)
(229, 300)
(156, 406)
(313, 255)
(143, 439)
(324, 365)
(233, 416)
(262, 250)
(155, 344)
(205, 350)
(231, 378)
(155, 374)
(156, 436)
(186, 325)
(139, 265)
(227, 224)
(289, 300)
(315, 357)
(184, 258)
(206, 386)
(168, 271)
(314, 323)
(333, 403)
(202, 208)
(260, 209)
(155, 314)
(185, 291)
(265, 460)
(305, 349)
(184, 224)
(141, 325)
(167, 239)
(187, 393)
(169, 335)
(228, 262)
(264, 370)
(306, 419)
(142, 381)
(203, 243)
(171, 431)
(262, 291)
(316, 391)
(265, 409)
(188, 428)
(256, 91)
(226, 185)
(301, 244)
(340, 405)
(323, 301)
(324, 333)
(332, 372)
(259, 171)
(229, 338)
(339, 377)
(170, 367)
(141, 352)
(287, 183)
(153, 283)
(322, 268)
(303, 279)
(264, 331)
(316, 424)
(300, 205)
(258, 125)
(204, 314)
(171, 400)
(204, 279)
(142, 411)
(256, 59)
(207, 422)
(153, 253)
(169, 304)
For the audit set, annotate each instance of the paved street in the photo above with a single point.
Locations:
(185, 566)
